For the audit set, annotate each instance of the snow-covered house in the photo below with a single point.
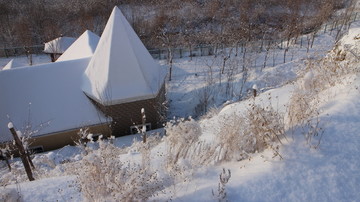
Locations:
(100, 84)
(122, 77)
(83, 47)
(58, 46)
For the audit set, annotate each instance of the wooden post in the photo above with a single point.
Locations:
(143, 117)
(23, 155)
(255, 89)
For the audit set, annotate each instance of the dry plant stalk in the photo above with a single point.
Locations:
(224, 178)
(260, 128)
(103, 176)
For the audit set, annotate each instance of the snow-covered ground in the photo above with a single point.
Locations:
(305, 172)
(24, 61)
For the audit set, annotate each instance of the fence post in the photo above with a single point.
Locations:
(22, 153)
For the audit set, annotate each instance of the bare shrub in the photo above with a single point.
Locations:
(181, 138)
(260, 128)
(303, 109)
(329, 70)
(213, 111)
(320, 75)
(103, 176)
(231, 138)
(266, 124)
(300, 108)
(236, 138)
(206, 99)
(303, 114)
(145, 149)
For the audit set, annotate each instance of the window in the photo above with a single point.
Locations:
(134, 129)
(37, 149)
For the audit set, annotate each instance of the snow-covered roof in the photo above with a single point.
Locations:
(54, 91)
(12, 64)
(58, 45)
(121, 70)
(83, 47)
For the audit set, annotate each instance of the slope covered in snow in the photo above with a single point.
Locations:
(327, 173)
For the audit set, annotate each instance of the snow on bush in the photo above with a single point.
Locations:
(237, 137)
(303, 109)
(182, 136)
(102, 176)
(144, 148)
(240, 135)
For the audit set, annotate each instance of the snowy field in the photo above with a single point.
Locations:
(323, 168)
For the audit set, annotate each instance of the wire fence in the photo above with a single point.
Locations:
(16, 51)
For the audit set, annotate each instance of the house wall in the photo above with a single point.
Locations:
(60, 139)
(129, 114)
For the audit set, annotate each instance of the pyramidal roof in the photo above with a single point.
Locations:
(58, 45)
(83, 47)
(121, 69)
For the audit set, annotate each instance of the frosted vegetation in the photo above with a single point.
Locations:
(297, 139)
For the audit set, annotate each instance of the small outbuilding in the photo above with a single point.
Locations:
(122, 78)
(58, 46)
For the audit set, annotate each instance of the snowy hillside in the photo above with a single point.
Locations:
(297, 140)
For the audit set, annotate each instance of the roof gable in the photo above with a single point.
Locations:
(122, 69)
